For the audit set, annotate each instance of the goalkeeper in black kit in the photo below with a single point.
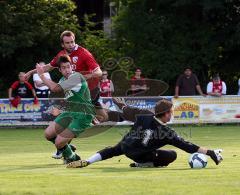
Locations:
(149, 133)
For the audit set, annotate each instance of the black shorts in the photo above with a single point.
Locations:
(95, 95)
(42, 93)
(158, 157)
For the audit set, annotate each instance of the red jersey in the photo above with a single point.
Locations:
(82, 61)
(23, 90)
(217, 87)
(105, 85)
(138, 81)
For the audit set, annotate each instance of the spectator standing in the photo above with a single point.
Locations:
(216, 87)
(239, 86)
(188, 84)
(42, 91)
(138, 83)
(21, 89)
(106, 85)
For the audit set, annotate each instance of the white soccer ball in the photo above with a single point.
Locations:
(197, 161)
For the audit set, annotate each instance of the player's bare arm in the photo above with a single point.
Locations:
(46, 68)
(54, 87)
(95, 74)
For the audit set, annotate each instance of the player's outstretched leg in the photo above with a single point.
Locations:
(104, 154)
(62, 145)
(157, 158)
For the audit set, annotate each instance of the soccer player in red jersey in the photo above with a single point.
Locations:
(83, 62)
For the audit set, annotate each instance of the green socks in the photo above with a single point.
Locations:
(68, 153)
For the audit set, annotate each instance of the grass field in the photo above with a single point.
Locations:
(27, 166)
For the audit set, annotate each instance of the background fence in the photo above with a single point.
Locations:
(187, 110)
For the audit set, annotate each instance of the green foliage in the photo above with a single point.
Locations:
(27, 23)
(169, 35)
(94, 40)
(30, 32)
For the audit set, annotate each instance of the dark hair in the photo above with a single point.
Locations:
(215, 76)
(188, 67)
(66, 33)
(163, 106)
(160, 115)
(138, 69)
(63, 59)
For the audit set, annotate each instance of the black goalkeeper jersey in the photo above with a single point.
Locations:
(147, 135)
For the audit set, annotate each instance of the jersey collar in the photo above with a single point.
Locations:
(159, 121)
(76, 47)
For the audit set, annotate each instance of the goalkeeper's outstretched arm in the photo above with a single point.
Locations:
(130, 113)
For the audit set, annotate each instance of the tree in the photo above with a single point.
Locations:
(168, 35)
(30, 33)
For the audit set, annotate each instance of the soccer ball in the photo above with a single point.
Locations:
(197, 161)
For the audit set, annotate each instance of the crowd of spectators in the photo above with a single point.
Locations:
(187, 84)
(23, 89)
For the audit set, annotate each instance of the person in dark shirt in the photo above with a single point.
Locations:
(149, 133)
(187, 84)
(21, 89)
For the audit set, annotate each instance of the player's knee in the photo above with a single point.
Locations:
(49, 132)
(47, 135)
(173, 155)
(105, 116)
(59, 143)
(101, 115)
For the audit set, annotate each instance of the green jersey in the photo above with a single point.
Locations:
(79, 110)
(75, 88)
(77, 93)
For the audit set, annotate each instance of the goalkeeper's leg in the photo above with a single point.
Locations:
(157, 158)
(104, 154)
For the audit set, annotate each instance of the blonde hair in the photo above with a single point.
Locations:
(67, 33)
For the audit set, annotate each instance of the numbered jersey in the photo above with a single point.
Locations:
(148, 135)
(77, 93)
(143, 137)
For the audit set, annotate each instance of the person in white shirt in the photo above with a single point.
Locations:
(239, 86)
(42, 90)
(216, 87)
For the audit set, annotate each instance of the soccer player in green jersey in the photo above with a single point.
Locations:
(78, 112)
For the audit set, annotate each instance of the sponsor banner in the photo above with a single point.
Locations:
(222, 110)
(186, 110)
(139, 102)
(27, 113)
(189, 110)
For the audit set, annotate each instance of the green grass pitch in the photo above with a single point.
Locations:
(26, 166)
